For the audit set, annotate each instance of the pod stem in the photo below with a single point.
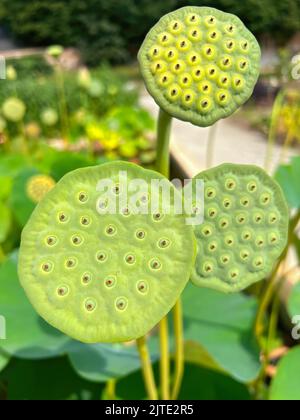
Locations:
(165, 359)
(111, 389)
(270, 289)
(163, 166)
(179, 342)
(147, 369)
(273, 129)
(211, 145)
(163, 143)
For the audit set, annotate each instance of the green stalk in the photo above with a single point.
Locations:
(163, 166)
(179, 356)
(165, 359)
(163, 143)
(211, 143)
(270, 289)
(147, 369)
(273, 129)
(62, 102)
(110, 390)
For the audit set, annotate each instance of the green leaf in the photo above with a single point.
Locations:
(10, 165)
(4, 360)
(6, 185)
(204, 384)
(28, 336)
(46, 380)
(286, 384)
(65, 162)
(5, 222)
(294, 301)
(198, 384)
(288, 177)
(21, 204)
(223, 325)
(102, 362)
(196, 354)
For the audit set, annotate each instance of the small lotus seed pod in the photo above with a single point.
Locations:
(14, 109)
(49, 117)
(55, 51)
(200, 44)
(101, 275)
(245, 229)
(38, 186)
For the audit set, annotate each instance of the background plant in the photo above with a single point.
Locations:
(123, 25)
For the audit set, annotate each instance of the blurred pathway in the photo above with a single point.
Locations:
(234, 143)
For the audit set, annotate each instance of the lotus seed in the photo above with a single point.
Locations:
(86, 278)
(110, 281)
(51, 240)
(140, 234)
(62, 291)
(83, 197)
(142, 287)
(90, 305)
(121, 304)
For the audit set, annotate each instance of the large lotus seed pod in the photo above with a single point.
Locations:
(200, 64)
(102, 277)
(245, 228)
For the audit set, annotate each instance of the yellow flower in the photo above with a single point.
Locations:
(94, 132)
(111, 141)
(38, 186)
(11, 73)
(33, 130)
(84, 78)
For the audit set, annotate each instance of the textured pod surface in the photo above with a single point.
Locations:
(200, 64)
(245, 228)
(100, 277)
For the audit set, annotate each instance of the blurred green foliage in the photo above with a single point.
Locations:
(114, 30)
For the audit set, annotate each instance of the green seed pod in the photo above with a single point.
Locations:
(245, 228)
(103, 277)
(49, 117)
(14, 109)
(200, 44)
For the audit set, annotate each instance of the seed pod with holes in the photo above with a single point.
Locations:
(245, 227)
(200, 64)
(99, 275)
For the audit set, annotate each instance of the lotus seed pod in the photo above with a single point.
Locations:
(55, 51)
(200, 64)
(103, 277)
(49, 117)
(245, 228)
(38, 186)
(14, 109)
